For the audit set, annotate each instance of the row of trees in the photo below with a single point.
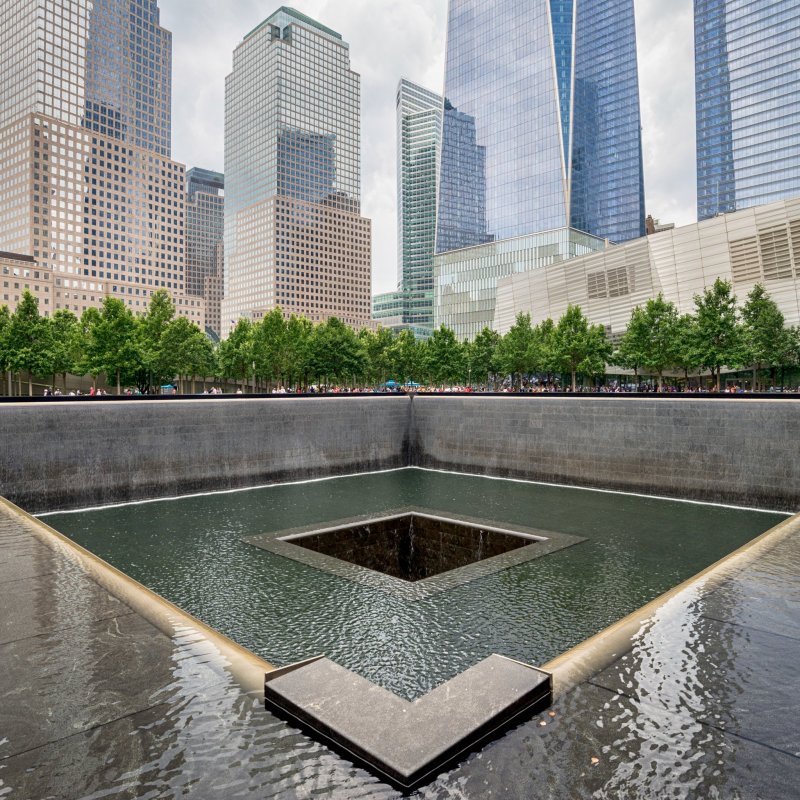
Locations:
(158, 347)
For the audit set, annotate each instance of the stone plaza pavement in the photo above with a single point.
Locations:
(98, 701)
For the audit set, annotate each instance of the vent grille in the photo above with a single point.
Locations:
(617, 282)
(596, 284)
(776, 257)
(745, 264)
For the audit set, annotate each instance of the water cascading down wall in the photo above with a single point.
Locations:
(62, 455)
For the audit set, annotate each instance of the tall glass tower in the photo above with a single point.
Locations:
(294, 236)
(541, 144)
(419, 121)
(541, 126)
(747, 92)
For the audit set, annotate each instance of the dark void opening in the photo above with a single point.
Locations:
(412, 546)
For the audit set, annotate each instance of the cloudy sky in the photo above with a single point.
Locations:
(390, 39)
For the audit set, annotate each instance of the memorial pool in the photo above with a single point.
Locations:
(193, 552)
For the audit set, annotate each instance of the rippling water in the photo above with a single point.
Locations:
(191, 551)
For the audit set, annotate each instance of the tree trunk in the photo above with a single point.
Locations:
(30, 385)
(754, 385)
(194, 383)
(719, 378)
(119, 388)
(19, 384)
(573, 379)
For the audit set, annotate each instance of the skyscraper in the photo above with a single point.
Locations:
(90, 191)
(205, 219)
(747, 89)
(419, 116)
(294, 236)
(541, 144)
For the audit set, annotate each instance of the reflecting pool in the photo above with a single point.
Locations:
(193, 552)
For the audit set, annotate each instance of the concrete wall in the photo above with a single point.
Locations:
(66, 455)
(739, 451)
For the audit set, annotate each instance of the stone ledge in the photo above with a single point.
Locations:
(407, 743)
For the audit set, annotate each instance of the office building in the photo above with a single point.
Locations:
(419, 119)
(89, 189)
(294, 236)
(756, 245)
(747, 86)
(205, 219)
(541, 134)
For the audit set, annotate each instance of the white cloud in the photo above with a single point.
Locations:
(390, 39)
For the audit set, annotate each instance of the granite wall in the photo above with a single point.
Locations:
(66, 455)
(741, 451)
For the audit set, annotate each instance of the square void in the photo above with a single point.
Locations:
(411, 553)
(413, 546)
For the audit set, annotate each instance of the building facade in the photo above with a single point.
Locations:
(541, 134)
(747, 91)
(294, 236)
(205, 220)
(419, 119)
(755, 245)
(89, 189)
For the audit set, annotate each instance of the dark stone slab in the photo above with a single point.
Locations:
(407, 743)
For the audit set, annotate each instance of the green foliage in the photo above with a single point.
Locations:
(236, 352)
(406, 358)
(579, 346)
(515, 350)
(336, 353)
(112, 345)
(187, 350)
(482, 355)
(766, 343)
(28, 339)
(443, 357)
(718, 336)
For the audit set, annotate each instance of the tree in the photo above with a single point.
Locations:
(155, 361)
(483, 355)
(718, 340)
(5, 324)
(406, 357)
(113, 348)
(444, 356)
(28, 341)
(686, 336)
(67, 347)
(189, 351)
(377, 346)
(236, 352)
(764, 335)
(660, 343)
(578, 346)
(630, 353)
(299, 332)
(336, 352)
(269, 346)
(514, 349)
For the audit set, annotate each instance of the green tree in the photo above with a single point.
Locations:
(236, 353)
(299, 333)
(630, 353)
(686, 358)
(113, 348)
(336, 352)
(483, 355)
(189, 351)
(377, 349)
(764, 335)
(28, 341)
(514, 349)
(89, 363)
(67, 347)
(269, 346)
(579, 346)
(444, 356)
(661, 339)
(5, 363)
(406, 357)
(153, 325)
(718, 340)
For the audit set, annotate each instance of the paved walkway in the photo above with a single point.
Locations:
(96, 701)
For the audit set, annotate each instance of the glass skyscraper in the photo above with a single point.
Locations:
(541, 125)
(90, 190)
(294, 237)
(747, 85)
(419, 119)
(541, 134)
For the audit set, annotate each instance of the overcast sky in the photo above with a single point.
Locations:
(390, 39)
